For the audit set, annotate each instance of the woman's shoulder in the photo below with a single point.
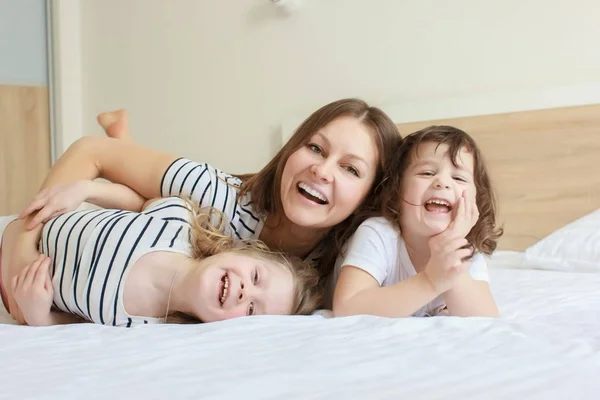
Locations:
(204, 184)
(184, 169)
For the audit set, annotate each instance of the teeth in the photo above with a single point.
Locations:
(312, 191)
(225, 289)
(439, 202)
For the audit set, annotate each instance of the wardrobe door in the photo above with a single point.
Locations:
(24, 144)
(24, 103)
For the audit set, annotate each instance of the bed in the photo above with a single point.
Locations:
(545, 277)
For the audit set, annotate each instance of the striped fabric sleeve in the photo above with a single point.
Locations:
(210, 187)
(204, 184)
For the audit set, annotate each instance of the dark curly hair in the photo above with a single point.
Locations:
(485, 233)
(265, 185)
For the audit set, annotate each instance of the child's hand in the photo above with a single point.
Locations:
(449, 250)
(446, 262)
(54, 201)
(33, 291)
(15, 311)
(466, 215)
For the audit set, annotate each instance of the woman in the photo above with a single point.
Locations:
(309, 198)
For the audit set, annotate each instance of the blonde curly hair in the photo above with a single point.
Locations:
(207, 239)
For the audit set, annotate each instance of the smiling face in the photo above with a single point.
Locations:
(431, 187)
(325, 180)
(235, 284)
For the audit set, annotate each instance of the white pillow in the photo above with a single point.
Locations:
(574, 247)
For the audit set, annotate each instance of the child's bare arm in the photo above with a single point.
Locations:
(20, 248)
(33, 292)
(63, 198)
(471, 298)
(357, 292)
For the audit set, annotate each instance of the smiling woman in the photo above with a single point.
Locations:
(324, 181)
(309, 198)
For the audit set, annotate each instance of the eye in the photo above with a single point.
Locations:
(460, 179)
(314, 148)
(255, 277)
(426, 173)
(251, 309)
(352, 170)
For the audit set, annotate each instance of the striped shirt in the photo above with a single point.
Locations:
(209, 186)
(92, 252)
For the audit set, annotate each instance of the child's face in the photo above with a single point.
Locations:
(432, 186)
(235, 285)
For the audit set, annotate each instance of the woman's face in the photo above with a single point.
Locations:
(326, 180)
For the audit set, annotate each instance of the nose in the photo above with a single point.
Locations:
(441, 183)
(246, 293)
(323, 171)
(240, 293)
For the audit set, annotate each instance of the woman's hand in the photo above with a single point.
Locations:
(54, 201)
(33, 292)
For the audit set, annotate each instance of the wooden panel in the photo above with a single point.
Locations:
(545, 166)
(24, 144)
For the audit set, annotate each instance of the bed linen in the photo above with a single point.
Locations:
(545, 346)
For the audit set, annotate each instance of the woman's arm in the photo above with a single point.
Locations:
(124, 162)
(118, 161)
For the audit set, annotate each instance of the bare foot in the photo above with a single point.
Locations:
(115, 124)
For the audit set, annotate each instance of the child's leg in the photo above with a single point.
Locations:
(115, 124)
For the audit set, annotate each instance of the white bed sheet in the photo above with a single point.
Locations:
(545, 346)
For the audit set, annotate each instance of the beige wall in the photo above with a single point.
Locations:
(213, 80)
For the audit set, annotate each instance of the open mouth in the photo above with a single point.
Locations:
(224, 289)
(440, 206)
(312, 194)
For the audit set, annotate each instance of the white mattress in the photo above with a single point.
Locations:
(546, 346)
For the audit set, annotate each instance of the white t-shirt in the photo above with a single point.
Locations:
(378, 249)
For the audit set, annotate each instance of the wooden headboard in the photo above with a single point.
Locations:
(544, 164)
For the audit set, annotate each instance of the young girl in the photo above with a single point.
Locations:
(305, 200)
(425, 257)
(123, 268)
